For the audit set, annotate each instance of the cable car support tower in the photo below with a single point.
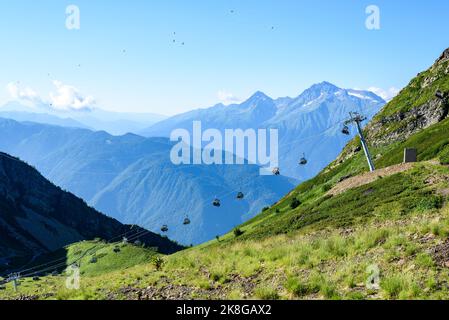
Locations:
(358, 119)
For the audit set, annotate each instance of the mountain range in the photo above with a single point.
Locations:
(310, 124)
(132, 179)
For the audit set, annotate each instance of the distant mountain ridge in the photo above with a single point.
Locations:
(116, 123)
(37, 217)
(309, 123)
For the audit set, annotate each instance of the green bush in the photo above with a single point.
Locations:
(355, 296)
(295, 203)
(444, 156)
(329, 291)
(216, 276)
(157, 262)
(297, 287)
(393, 286)
(424, 260)
(430, 202)
(265, 293)
(238, 232)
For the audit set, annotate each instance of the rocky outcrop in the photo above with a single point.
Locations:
(410, 122)
(431, 85)
(444, 56)
(423, 103)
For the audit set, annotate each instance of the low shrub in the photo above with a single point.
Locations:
(238, 232)
(295, 203)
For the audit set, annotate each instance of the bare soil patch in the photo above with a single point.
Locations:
(363, 179)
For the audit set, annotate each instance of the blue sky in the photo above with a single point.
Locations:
(280, 47)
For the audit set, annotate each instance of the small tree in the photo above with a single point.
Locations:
(157, 262)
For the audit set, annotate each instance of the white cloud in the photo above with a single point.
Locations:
(387, 94)
(66, 97)
(69, 98)
(227, 97)
(25, 95)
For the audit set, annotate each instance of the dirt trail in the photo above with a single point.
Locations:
(368, 177)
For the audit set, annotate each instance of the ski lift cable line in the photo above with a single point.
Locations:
(56, 266)
(61, 264)
(90, 250)
(138, 235)
(51, 265)
(325, 130)
(165, 170)
(60, 259)
(226, 195)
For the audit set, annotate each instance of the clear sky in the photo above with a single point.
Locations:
(125, 59)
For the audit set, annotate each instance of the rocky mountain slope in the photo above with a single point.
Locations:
(423, 103)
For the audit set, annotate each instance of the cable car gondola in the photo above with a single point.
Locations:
(240, 195)
(216, 202)
(164, 228)
(303, 160)
(345, 130)
(186, 221)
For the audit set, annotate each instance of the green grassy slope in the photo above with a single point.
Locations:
(107, 257)
(403, 235)
(94, 258)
